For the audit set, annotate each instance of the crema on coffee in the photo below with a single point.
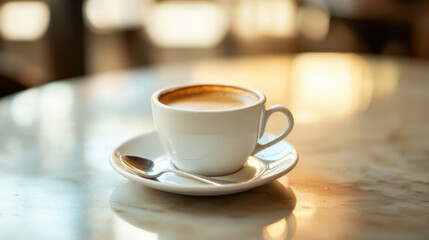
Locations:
(208, 98)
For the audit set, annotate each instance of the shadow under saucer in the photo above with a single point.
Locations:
(264, 212)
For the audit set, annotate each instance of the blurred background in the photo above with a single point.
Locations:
(47, 40)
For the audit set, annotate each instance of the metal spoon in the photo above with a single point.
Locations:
(148, 169)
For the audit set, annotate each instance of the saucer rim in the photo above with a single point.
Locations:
(197, 189)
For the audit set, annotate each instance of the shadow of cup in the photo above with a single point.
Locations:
(262, 213)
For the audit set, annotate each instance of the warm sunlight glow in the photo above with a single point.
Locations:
(108, 15)
(276, 231)
(273, 18)
(329, 86)
(304, 208)
(316, 86)
(23, 21)
(186, 24)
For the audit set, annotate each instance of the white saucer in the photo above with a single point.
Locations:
(266, 166)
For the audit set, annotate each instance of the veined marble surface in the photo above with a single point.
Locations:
(362, 132)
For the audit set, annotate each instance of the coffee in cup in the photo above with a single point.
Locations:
(208, 98)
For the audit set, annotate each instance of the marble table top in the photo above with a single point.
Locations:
(362, 133)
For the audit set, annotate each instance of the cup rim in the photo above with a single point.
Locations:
(155, 97)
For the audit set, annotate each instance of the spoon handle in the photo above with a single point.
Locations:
(216, 182)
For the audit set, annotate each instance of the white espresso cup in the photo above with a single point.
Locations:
(212, 129)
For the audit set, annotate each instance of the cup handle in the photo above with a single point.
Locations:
(259, 147)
